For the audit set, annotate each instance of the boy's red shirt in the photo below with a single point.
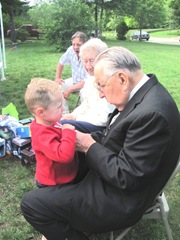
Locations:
(55, 153)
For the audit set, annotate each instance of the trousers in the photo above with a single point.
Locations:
(83, 126)
(50, 216)
(48, 209)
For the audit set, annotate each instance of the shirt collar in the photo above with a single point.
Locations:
(139, 85)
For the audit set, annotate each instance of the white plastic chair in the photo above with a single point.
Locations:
(159, 210)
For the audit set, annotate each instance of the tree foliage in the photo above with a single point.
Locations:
(148, 13)
(98, 8)
(62, 19)
(14, 8)
(175, 5)
(104, 9)
(136, 13)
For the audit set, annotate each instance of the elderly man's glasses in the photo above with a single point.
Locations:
(100, 86)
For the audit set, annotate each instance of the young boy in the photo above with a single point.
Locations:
(54, 145)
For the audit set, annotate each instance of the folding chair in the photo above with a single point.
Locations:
(160, 209)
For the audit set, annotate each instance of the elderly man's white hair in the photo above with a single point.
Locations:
(116, 58)
(95, 44)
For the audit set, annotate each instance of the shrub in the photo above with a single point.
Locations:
(22, 35)
(121, 30)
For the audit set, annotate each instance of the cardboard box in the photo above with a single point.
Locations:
(28, 157)
(23, 132)
(19, 144)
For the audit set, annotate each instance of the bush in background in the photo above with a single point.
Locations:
(121, 30)
(22, 35)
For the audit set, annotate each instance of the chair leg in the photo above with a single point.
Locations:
(121, 235)
(111, 235)
(165, 220)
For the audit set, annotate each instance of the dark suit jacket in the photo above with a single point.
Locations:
(130, 163)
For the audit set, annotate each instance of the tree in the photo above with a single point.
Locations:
(175, 5)
(100, 7)
(61, 19)
(13, 8)
(148, 13)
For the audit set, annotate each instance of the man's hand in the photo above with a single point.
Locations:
(67, 93)
(74, 88)
(59, 80)
(83, 141)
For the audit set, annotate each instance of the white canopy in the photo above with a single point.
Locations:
(2, 48)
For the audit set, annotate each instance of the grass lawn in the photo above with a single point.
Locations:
(35, 59)
(166, 34)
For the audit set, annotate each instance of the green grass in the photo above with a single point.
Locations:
(166, 33)
(35, 59)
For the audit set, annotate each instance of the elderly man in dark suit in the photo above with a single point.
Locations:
(128, 164)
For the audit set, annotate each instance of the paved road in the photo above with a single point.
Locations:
(175, 41)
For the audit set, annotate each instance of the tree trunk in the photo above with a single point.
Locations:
(96, 19)
(13, 32)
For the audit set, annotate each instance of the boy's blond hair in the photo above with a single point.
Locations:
(40, 92)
